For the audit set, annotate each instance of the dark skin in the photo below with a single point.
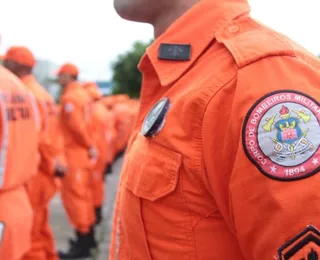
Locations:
(160, 14)
(65, 79)
(17, 69)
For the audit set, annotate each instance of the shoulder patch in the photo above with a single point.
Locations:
(248, 41)
(281, 135)
(68, 107)
(304, 246)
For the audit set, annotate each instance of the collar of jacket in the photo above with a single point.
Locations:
(196, 27)
(72, 86)
(28, 78)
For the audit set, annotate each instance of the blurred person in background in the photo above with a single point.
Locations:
(124, 121)
(102, 123)
(19, 159)
(41, 189)
(224, 160)
(81, 155)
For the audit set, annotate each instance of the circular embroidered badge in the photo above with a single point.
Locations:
(155, 119)
(281, 135)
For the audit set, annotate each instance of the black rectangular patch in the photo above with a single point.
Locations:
(178, 52)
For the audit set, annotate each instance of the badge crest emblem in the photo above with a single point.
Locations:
(68, 107)
(155, 119)
(304, 246)
(281, 135)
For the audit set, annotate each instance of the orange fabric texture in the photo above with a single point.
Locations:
(69, 69)
(101, 131)
(19, 135)
(93, 91)
(46, 117)
(42, 187)
(124, 122)
(200, 188)
(13, 135)
(109, 101)
(41, 190)
(100, 117)
(16, 223)
(77, 198)
(76, 187)
(21, 55)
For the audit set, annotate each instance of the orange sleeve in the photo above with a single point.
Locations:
(73, 118)
(261, 136)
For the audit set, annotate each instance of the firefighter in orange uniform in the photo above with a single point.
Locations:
(19, 160)
(41, 188)
(81, 155)
(103, 122)
(109, 102)
(58, 140)
(224, 159)
(122, 112)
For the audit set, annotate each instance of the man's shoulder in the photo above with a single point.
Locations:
(77, 96)
(9, 82)
(47, 97)
(34, 86)
(248, 41)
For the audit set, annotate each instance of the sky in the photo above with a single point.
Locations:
(90, 34)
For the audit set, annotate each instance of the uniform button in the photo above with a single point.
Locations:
(233, 28)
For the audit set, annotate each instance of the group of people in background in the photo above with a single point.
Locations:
(47, 148)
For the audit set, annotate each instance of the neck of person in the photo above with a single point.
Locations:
(166, 18)
(22, 74)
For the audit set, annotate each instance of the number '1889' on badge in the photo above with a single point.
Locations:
(281, 135)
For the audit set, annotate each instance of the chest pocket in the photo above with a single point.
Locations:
(154, 212)
(153, 170)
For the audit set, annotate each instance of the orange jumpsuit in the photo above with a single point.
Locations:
(108, 102)
(76, 188)
(124, 119)
(42, 187)
(100, 121)
(226, 165)
(58, 140)
(18, 163)
(103, 128)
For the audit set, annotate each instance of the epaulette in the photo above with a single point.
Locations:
(249, 41)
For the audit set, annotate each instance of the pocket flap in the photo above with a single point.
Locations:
(152, 170)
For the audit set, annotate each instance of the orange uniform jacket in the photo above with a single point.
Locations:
(124, 122)
(231, 170)
(110, 135)
(76, 116)
(109, 102)
(99, 121)
(43, 187)
(77, 184)
(18, 152)
(45, 106)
